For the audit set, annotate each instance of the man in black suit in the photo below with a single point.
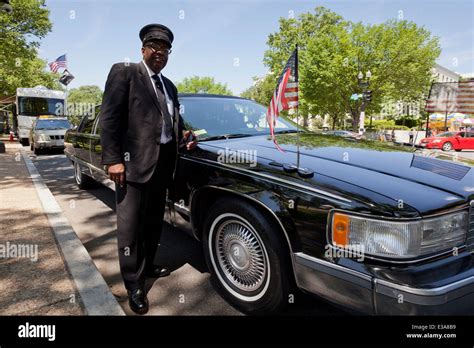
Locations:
(141, 130)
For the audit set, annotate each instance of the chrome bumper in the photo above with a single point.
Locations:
(363, 293)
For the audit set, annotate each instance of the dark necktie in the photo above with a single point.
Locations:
(164, 106)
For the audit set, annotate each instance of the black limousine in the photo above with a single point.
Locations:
(370, 226)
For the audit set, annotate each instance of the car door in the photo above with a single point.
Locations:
(81, 140)
(461, 141)
(96, 148)
(470, 140)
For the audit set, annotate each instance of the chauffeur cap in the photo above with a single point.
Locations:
(156, 32)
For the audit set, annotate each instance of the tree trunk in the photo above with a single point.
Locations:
(305, 121)
(355, 119)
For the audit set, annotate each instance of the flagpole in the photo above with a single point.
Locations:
(297, 112)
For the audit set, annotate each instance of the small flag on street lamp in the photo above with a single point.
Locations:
(60, 62)
(66, 77)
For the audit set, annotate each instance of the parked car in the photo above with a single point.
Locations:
(47, 133)
(369, 226)
(345, 134)
(448, 141)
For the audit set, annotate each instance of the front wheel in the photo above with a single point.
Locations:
(246, 254)
(82, 180)
(37, 151)
(447, 146)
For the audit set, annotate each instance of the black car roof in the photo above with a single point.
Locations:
(206, 95)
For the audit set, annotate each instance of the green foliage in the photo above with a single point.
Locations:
(206, 84)
(409, 122)
(262, 90)
(85, 94)
(385, 124)
(399, 54)
(82, 100)
(20, 32)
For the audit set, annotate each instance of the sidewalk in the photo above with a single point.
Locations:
(33, 277)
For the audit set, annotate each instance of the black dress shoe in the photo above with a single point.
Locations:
(158, 272)
(138, 301)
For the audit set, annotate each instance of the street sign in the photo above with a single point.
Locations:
(356, 96)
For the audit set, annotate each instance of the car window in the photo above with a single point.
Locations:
(52, 124)
(219, 116)
(470, 134)
(446, 135)
(97, 124)
(86, 125)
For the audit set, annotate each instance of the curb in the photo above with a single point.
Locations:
(93, 290)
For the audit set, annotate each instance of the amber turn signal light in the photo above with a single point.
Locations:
(340, 230)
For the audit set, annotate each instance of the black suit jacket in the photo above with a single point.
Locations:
(131, 120)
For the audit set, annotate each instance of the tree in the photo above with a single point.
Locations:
(20, 31)
(262, 89)
(82, 100)
(197, 84)
(399, 54)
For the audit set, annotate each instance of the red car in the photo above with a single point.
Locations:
(450, 141)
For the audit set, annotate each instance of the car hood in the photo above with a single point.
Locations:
(394, 172)
(51, 131)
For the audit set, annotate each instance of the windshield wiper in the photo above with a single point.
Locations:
(287, 131)
(226, 136)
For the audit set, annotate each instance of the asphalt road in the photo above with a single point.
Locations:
(187, 291)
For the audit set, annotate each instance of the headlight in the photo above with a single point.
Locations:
(394, 239)
(43, 137)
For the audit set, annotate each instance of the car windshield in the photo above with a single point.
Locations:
(216, 116)
(53, 124)
(33, 106)
(446, 135)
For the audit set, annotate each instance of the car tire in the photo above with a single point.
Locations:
(31, 146)
(83, 181)
(37, 151)
(247, 257)
(25, 142)
(447, 146)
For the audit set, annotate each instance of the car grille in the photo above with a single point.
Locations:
(56, 137)
(470, 230)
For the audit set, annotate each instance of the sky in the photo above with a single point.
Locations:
(227, 39)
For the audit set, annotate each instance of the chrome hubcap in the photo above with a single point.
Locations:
(241, 255)
(78, 173)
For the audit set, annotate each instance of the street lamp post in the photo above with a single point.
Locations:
(364, 84)
(446, 113)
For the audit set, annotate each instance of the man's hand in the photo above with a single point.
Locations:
(191, 142)
(117, 173)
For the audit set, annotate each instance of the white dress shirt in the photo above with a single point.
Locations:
(169, 102)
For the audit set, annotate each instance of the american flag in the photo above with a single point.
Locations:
(285, 96)
(451, 97)
(60, 62)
